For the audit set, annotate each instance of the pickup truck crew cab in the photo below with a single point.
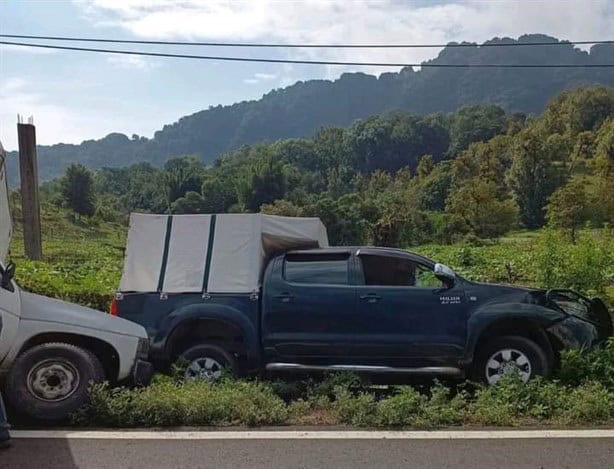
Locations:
(371, 310)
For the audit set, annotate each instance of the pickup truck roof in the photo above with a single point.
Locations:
(364, 250)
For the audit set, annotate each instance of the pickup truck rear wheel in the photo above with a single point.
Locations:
(505, 355)
(50, 381)
(209, 363)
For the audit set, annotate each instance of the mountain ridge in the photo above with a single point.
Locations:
(302, 108)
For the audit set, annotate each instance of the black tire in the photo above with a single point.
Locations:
(200, 353)
(540, 361)
(39, 371)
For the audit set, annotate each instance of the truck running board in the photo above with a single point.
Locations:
(425, 370)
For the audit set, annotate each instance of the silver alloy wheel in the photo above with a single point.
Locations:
(204, 369)
(505, 362)
(53, 380)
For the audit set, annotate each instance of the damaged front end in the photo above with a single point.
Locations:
(589, 323)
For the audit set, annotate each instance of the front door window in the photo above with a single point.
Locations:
(397, 272)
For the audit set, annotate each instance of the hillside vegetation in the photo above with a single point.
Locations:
(397, 179)
(301, 109)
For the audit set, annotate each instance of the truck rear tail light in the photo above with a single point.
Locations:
(114, 309)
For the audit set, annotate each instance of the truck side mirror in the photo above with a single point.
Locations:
(445, 274)
(8, 273)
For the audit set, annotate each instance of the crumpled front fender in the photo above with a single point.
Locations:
(574, 333)
(493, 314)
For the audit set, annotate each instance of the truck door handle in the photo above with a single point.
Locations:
(371, 297)
(285, 297)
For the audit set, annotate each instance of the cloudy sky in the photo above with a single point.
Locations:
(75, 96)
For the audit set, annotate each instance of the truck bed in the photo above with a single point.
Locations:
(159, 314)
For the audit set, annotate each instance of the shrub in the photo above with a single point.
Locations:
(403, 409)
(355, 409)
(584, 266)
(511, 401)
(168, 403)
(590, 403)
(443, 408)
(580, 366)
(171, 402)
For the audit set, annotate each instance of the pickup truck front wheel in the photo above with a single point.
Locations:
(50, 381)
(208, 363)
(506, 355)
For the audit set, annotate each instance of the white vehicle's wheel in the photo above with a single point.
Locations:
(507, 355)
(50, 381)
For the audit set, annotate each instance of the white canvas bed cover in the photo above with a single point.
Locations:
(6, 226)
(210, 253)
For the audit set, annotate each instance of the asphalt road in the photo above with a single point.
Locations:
(309, 453)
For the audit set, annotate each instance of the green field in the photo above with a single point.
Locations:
(83, 260)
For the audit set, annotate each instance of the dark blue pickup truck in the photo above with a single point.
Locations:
(369, 310)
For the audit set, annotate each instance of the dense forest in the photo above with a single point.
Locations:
(396, 179)
(302, 109)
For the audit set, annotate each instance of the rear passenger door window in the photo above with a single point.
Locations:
(320, 269)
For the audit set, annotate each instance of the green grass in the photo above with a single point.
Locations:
(581, 394)
(540, 258)
(83, 260)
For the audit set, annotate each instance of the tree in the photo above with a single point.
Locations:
(488, 161)
(394, 141)
(144, 189)
(533, 176)
(604, 168)
(182, 175)
(283, 208)
(568, 207)
(575, 111)
(262, 182)
(425, 166)
(475, 124)
(343, 219)
(191, 202)
(218, 194)
(432, 190)
(482, 213)
(78, 190)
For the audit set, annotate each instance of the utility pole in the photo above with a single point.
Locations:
(30, 207)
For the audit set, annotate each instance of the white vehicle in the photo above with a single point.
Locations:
(51, 350)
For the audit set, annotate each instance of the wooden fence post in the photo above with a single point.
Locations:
(30, 207)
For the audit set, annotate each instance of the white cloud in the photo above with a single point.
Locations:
(265, 76)
(57, 121)
(259, 78)
(16, 97)
(132, 62)
(25, 50)
(321, 21)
